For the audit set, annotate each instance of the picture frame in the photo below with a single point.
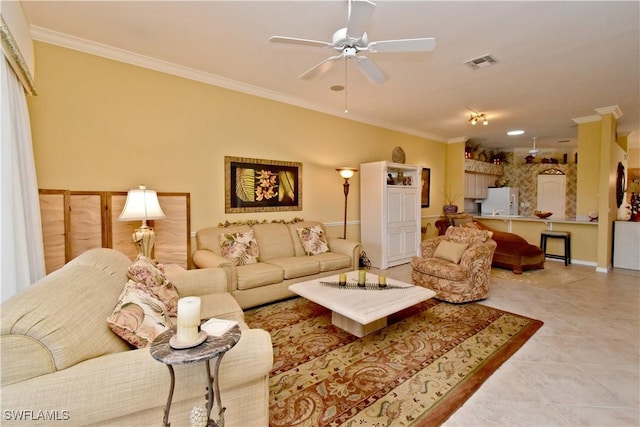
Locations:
(258, 185)
(426, 187)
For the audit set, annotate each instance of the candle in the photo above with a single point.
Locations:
(342, 279)
(362, 277)
(382, 281)
(188, 319)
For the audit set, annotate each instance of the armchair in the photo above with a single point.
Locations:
(456, 266)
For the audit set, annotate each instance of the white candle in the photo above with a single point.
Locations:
(188, 319)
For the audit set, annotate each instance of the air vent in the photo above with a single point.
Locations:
(481, 62)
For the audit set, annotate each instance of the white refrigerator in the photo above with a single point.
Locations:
(501, 201)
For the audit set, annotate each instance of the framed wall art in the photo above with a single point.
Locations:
(426, 184)
(257, 185)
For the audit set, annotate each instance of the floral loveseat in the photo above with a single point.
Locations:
(456, 266)
(263, 259)
(62, 364)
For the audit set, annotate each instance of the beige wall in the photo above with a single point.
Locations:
(99, 124)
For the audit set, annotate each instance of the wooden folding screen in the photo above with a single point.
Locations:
(75, 221)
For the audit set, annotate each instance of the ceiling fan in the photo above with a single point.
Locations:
(352, 40)
(533, 150)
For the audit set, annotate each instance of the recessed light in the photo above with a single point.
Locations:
(337, 88)
(515, 132)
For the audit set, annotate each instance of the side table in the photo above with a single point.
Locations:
(213, 347)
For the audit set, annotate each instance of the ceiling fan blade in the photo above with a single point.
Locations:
(293, 40)
(360, 14)
(370, 70)
(404, 45)
(320, 68)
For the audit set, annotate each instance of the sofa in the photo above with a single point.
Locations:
(63, 365)
(456, 266)
(273, 255)
(513, 252)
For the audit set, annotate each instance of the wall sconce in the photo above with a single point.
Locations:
(478, 117)
(142, 204)
(346, 173)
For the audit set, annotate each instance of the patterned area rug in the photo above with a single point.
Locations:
(415, 372)
(545, 278)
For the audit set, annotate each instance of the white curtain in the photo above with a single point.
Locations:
(21, 250)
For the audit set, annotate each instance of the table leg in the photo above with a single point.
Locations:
(213, 390)
(165, 420)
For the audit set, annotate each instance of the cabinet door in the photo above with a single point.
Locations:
(469, 185)
(395, 207)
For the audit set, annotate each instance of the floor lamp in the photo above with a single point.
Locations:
(346, 173)
(142, 204)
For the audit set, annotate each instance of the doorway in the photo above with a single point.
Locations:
(552, 192)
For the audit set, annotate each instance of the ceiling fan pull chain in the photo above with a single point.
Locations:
(346, 86)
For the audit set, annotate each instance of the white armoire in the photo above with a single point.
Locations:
(390, 212)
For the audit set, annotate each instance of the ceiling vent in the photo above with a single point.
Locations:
(480, 62)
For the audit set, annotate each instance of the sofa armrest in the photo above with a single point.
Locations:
(428, 246)
(477, 259)
(130, 382)
(197, 282)
(204, 258)
(346, 247)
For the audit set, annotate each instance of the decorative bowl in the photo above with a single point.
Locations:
(543, 214)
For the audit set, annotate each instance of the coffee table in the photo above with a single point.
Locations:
(361, 311)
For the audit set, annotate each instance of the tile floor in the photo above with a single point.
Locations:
(582, 368)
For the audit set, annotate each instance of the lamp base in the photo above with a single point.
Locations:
(144, 239)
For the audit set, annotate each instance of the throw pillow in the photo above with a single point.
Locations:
(146, 271)
(138, 317)
(313, 240)
(241, 247)
(450, 251)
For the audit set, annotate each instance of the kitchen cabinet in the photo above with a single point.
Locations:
(390, 212)
(626, 245)
(476, 185)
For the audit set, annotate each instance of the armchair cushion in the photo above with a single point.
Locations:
(450, 251)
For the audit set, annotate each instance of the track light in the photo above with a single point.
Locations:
(478, 117)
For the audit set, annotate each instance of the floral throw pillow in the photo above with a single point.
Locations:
(145, 270)
(241, 247)
(138, 317)
(313, 240)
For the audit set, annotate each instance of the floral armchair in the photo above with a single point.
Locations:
(456, 266)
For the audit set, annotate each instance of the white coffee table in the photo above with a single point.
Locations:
(361, 311)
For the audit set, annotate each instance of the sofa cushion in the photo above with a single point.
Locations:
(145, 270)
(313, 240)
(274, 240)
(450, 251)
(330, 261)
(255, 275)
(138, 317)
(240, 247)
(297, 266)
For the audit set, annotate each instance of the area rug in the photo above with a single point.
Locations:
(415, 372)
(545, 278)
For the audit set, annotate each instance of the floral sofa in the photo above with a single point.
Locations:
(262, 259)
(62, 363)
(456, 266)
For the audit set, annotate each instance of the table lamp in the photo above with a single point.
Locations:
(142, 204)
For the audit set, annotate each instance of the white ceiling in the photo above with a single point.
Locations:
(556, 61)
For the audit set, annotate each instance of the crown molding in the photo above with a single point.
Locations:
(82, 45)
(587, 119)
(612, 109)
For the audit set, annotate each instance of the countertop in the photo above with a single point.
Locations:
(551, 219)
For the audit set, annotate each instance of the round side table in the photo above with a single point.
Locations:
(212, 347)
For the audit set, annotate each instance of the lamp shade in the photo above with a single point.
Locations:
(141, 204)
(346, 173)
